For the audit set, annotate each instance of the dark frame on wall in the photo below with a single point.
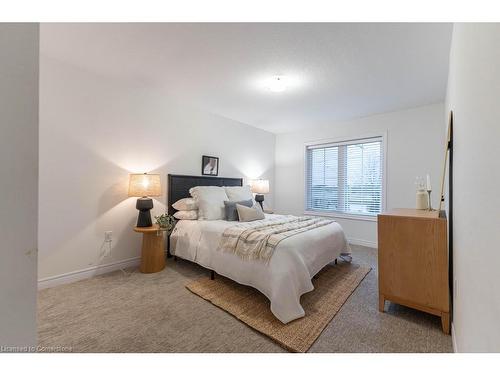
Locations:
(209, 165)
(450, 212)
(448, 166)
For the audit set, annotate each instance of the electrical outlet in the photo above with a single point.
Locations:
(108, 236)
(455, 288)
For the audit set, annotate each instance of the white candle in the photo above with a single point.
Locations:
(429, 183)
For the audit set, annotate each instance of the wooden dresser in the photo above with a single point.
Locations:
(413, 261)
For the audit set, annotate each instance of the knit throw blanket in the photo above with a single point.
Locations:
(258, 239)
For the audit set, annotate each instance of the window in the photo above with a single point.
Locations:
(345, 177)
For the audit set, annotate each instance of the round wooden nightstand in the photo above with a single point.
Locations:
(153, 249)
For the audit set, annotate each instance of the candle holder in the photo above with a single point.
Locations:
(430, 205)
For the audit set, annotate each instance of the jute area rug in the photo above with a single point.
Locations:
(332, 287)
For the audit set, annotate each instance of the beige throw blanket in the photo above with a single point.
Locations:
(258, 240)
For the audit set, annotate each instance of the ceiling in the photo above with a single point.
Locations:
(337, 71)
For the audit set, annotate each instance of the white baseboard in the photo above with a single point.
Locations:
(454, 339)
(357, 241)
(71, 277)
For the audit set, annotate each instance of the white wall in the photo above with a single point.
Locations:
(415, 146)
(94, 131)
(18, 183)
(473, 95)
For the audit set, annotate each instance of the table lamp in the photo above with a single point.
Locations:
(260, 187)
(144, 186)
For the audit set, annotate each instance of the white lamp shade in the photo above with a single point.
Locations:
(260, 186)
(144, 185)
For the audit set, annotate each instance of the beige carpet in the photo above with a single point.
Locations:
(333, 285)
(157, 313)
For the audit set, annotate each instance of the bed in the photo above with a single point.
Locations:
(283, 279)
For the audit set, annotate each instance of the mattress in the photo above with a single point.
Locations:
(283, 279)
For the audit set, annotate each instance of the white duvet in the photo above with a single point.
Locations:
(287, 275)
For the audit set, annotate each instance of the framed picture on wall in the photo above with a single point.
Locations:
(209, 165)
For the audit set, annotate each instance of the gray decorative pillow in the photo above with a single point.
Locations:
(250, 213)
(230, 207)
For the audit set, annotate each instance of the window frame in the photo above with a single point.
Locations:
(346, 141)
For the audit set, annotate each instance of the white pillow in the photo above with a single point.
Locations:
(185, 204)
(210, 201)
(186, 215)
(250, 213)
(238, 193)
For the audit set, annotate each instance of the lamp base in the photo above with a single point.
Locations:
(259, 198)
(144, 205)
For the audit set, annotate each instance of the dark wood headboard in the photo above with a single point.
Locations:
(179, 185)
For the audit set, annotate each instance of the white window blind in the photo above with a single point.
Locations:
(345, 177)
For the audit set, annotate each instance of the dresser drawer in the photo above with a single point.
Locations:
(413, 261)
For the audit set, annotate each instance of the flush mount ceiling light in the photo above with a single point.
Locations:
(277, 84)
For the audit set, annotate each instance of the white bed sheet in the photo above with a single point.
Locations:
(287, 275)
